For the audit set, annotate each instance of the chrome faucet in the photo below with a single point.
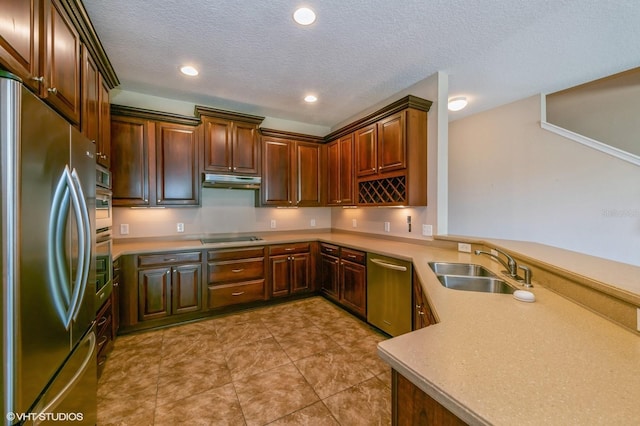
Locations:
(512, 267)
(511, 264)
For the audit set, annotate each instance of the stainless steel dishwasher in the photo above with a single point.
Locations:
(389, 294)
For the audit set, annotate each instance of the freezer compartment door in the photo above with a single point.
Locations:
(71, 396)
(389, 294)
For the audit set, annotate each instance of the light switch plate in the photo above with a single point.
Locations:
(124, 229)
(464, 247)
(180, 227)
(313, 222)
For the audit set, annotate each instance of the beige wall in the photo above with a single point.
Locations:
(510, 179)
(606, 110)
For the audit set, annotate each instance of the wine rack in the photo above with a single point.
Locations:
(391, 190)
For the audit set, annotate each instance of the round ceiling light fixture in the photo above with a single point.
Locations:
(189, 70)
(304, 16)
(310, 99)
(457, 103)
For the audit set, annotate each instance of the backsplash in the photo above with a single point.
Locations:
(223, 211)
(233, 211)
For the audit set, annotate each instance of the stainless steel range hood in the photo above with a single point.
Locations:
(211, 180)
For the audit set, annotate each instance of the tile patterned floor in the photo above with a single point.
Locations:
(305, 362)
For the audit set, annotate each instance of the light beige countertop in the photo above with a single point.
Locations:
(492, 359)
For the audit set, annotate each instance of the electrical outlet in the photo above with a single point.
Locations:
(273, 224)
(387, 227)
(464, 247)
(313, 222)
(638, 319)
(180, 227)
(124, 229)
(427, 230)
(354, 223)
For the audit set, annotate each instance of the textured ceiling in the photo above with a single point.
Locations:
(253, 58)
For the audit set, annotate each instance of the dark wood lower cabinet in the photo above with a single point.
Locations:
(153, 293)
(290, 269)
(411, 406)
(343, 277)
(353, 277)
(186, 289)
(330, 275)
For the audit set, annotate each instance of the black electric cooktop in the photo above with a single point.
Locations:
(229, 239)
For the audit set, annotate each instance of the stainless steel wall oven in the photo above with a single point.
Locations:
(104, 222)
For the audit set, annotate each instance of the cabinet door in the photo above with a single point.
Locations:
(62, 62)
(354, 286)
(130, 169)
(307, 162)
(153, 293)
(366, 151)
(280, 276)
(392, 152)
(276, 179)
(103, 150)
(91, 89)
(300, 268)
(333, 173)
(330, 275)
(20, 39)
(346, 170)
(186, 288)
(245, 149)
(217, 144)
(176, 165)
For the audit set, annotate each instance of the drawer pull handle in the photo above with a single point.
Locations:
(237, 293)
(289, 248)
(173, 259)
(102, 321)
(53, 90)
(102, 360)
(235, 271)
(352, 256)
(103, 340)
(329, 250)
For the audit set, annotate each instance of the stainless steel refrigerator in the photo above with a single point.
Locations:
(48, 263)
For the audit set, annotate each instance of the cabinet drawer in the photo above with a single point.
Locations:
(236, 253)
(329, 249)
(236, 270)
(289, 249)
(354, 256)
(169, 258)
(231, 294)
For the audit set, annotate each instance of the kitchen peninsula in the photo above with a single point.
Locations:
(491, 359)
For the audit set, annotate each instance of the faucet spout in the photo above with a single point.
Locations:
(510, 264)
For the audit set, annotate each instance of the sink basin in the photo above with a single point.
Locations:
(481, 284)
(466, 269)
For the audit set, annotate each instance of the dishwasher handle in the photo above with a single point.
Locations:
(389, 265)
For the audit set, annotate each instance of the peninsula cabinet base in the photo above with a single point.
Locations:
(411, 406)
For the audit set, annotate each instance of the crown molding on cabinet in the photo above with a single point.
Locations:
(147, 114)
(227, 115)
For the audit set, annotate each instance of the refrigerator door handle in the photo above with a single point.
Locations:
(55, 401)
(65, 196)
(84, 243)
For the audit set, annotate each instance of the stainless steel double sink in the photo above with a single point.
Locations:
(469, 277)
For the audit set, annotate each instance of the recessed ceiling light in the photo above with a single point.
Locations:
(189, 70)
(457, 103)
(310, 98)
(304, 16)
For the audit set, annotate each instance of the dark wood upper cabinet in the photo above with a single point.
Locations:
(392, 152)
(62, 62)
(130, 166)
(340, 171)
(176, 168)
(231, 142)
(91, 91)
(291, 169)
(20, 39)
(366, 150)
(155, 158)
